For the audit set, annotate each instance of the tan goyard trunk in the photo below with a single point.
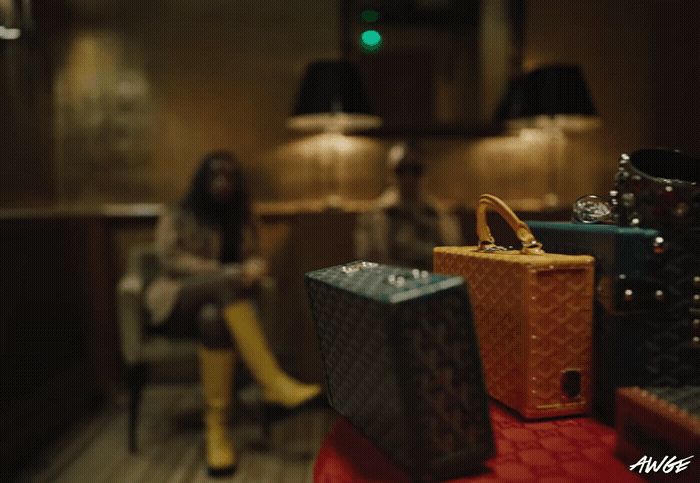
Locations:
(533, 316)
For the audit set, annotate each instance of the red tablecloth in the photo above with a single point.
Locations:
(561, 450)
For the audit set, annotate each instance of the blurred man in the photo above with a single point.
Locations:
(404, 226)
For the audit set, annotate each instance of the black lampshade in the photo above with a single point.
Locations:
(332, 97)
(551, 95)
(511, 105)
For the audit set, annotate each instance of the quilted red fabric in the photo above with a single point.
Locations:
(560, 450)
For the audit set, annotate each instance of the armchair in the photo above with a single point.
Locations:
(141, 348)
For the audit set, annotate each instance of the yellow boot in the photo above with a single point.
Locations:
(278, 388)
(216, 368)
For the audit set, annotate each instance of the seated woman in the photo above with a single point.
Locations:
(205, 245)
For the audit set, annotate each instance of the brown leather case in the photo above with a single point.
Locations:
(659, 422)
(533, 317)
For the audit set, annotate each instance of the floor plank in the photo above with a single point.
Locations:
(171, 445)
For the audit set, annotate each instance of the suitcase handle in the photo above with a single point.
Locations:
(486, 241)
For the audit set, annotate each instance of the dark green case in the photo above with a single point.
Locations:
(402, 364)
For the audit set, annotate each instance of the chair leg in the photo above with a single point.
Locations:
(136, 376)
(267, 421)
(262, 417)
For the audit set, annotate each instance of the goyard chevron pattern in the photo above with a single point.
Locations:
(657, 422)
(533, 316)
(643, 322)
(402, 364)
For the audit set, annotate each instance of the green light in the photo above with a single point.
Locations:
(369, 16)
(370, 40)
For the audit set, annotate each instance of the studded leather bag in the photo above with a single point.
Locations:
(658, 188)
(655, 189)
(402, 363)
(533, 316)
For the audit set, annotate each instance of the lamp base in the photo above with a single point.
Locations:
(551, 200)
(334, 201)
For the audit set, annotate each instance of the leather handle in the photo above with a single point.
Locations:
(522, 231)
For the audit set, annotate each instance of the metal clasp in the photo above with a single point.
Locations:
(356, 267)
(533, 248)
(491, 248)
(400, 279)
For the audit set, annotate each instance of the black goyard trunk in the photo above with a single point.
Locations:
(402, 364)
(644, 328)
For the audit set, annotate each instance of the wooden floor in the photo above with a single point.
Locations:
(171, 445)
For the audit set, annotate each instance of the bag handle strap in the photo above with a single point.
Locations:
(486, 241)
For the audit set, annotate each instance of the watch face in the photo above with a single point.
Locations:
(591, 209)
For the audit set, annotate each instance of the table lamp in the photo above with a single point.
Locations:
(556, 100)
(332, 99)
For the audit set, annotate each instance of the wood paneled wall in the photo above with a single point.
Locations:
(225, 76)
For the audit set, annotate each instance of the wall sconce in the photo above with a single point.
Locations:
(554, 99)
(332, 100)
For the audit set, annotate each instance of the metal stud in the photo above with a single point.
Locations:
(696, 298)
(696, 281)
(629, 295)
(669, 188)
(659, 245)
(613, 193)
(681, 209)
(659, 294)
(628, 200)
(622, 175)
(696, 323)
(634, 222)
(624, 158)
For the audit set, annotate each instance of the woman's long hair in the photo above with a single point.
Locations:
(232, 216)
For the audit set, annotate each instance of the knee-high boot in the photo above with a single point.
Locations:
(278, 387)
(216, 372)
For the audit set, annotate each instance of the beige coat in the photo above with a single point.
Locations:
(380, 238)
(186, 247)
